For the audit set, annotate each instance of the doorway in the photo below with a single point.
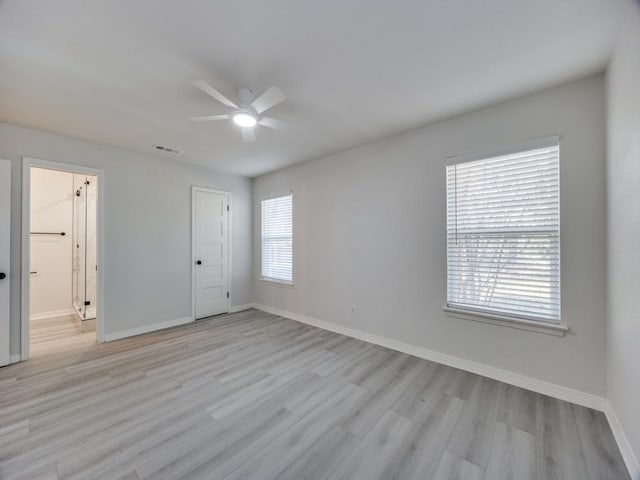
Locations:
(60, 270)
(211, 252)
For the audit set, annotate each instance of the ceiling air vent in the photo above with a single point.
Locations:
(167, 150)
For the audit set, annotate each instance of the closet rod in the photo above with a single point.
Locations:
(62, 234)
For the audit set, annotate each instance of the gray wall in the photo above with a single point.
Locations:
(369, 231)
(623, 194)
(147, 223)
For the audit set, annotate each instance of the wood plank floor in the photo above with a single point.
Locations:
(58, 334)
(255, 396)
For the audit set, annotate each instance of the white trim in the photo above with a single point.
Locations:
(24, 264)
(27, 163)
(15, 358)
(276, 195)
(630, 459)
(540, 386)
(276, 281)
(557, 391)
(544, 142)
(132, 332)
(496, 318)
(240, 308)
(195, 189)
(513, 322)
(52, 314)
(6, 328)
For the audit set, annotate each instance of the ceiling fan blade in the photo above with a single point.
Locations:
(209, 118)
(268, 99)
(248, 134)
(273, 123)
(209, 90)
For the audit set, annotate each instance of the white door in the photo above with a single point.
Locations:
(211, 252)
(5, 256)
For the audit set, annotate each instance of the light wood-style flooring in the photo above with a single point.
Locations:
(58, 335)
(255, 396)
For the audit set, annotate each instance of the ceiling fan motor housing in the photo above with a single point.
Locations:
(245, 97)
(245, 115)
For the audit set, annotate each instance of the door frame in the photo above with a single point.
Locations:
(194, 190)
(27, 163)
(7, 327)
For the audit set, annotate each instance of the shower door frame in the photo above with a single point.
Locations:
(81, 305)
(27, 163)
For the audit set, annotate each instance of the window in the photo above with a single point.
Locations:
(503, 234)
(277, 239)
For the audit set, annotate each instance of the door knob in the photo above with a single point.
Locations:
(2, 275)
(199, 262)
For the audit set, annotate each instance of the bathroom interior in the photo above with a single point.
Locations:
(63, 258)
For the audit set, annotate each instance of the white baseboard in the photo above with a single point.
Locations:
(152, 327)
(15, 358)
(109, 337)
(52, 314)
(240, 308)
(540, 386)
(623, 443)
(553, 390)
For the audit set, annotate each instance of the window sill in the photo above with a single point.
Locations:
(547, 328)
(277, 283)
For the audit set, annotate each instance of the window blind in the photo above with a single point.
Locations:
(277, 239)
(503, 235)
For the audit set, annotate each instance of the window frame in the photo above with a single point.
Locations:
(524, 321)
(264, 278)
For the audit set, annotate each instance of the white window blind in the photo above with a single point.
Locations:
(503, 234)
(277, 239)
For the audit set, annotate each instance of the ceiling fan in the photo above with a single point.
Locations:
(247, 110)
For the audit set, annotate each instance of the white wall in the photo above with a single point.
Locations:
(147, 222)
(369, 231)
(51, 211)
(623, 195)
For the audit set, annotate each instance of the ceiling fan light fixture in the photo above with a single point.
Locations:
(248, 111)
(244, 119)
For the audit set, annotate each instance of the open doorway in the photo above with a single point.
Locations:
(60, 294)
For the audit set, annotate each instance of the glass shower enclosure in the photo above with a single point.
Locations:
(84, 246)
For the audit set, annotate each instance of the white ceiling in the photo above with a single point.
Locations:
(119, 72)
